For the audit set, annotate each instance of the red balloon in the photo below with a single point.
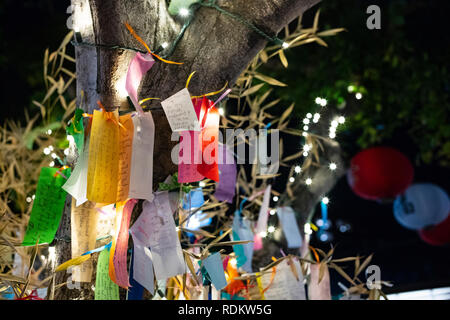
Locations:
(437, 235)
(380, 173)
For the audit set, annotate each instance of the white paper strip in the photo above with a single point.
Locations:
(141, 175)
(76, 185)
(261, 225)
(286, 215)
(285, 285)
(155, 228)
(143, 266)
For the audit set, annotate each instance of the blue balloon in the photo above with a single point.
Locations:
(421, 205)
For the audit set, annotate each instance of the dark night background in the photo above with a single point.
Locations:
(420, 33)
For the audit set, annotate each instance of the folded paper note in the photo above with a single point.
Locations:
(48, 206)
(105, 289)
(180, 112)
(103, 166)
(155, 228)
(83, 233)
(286, 216)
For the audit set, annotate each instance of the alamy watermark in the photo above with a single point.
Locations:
(374, 20)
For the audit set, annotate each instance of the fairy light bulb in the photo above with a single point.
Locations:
(291, 179)
(271, 229)
(332, 166)
(323, 102)
(285, 45)
(164, 45)
(221, 111)
(307, 228)
(341, 119)
(358, 95)
(307, 147)
(325, 200)
(318, 100)
(306, 121)
(52, 164)
(47, 151)
(297, 169)
(305, 134)
(308, 181)
(202, 184)
(184, 12)
(263, 234)
(272, 212)
(309, 115)
(275, 199)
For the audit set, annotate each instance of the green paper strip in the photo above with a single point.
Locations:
(47, 208)
(76, 129)
(105, 289)
(176, 5)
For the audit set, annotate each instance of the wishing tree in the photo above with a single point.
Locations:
(203, 47)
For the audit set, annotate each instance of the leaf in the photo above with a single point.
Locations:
(270, 80)
(286, 113)
(252, 90)
(190, 266)
(342, 273)
(322, 270)
(363, 265)
(316, 21)
(283, 58)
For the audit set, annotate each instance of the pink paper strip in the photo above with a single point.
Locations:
(226, 187)
(120, 253)
(139, 65)
(319, 290)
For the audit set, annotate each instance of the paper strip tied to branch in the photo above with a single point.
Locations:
(199, 151)
(105, 289)
(141, 176)
(118, 256)
(319, 284)
(48, 206)
(103, 165)
(226, 187)
(83, 233)
(155, 228)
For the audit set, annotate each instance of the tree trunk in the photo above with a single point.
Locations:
(216, 46)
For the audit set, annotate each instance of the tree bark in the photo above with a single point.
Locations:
(216, 46)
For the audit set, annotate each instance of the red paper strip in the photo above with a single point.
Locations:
(199, 151)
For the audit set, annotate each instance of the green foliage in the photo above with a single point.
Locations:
(401, 70)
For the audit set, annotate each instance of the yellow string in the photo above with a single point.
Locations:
(189, 79)
(138, 38)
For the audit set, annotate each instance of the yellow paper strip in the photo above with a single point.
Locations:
(103, 166)
(126, 133)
